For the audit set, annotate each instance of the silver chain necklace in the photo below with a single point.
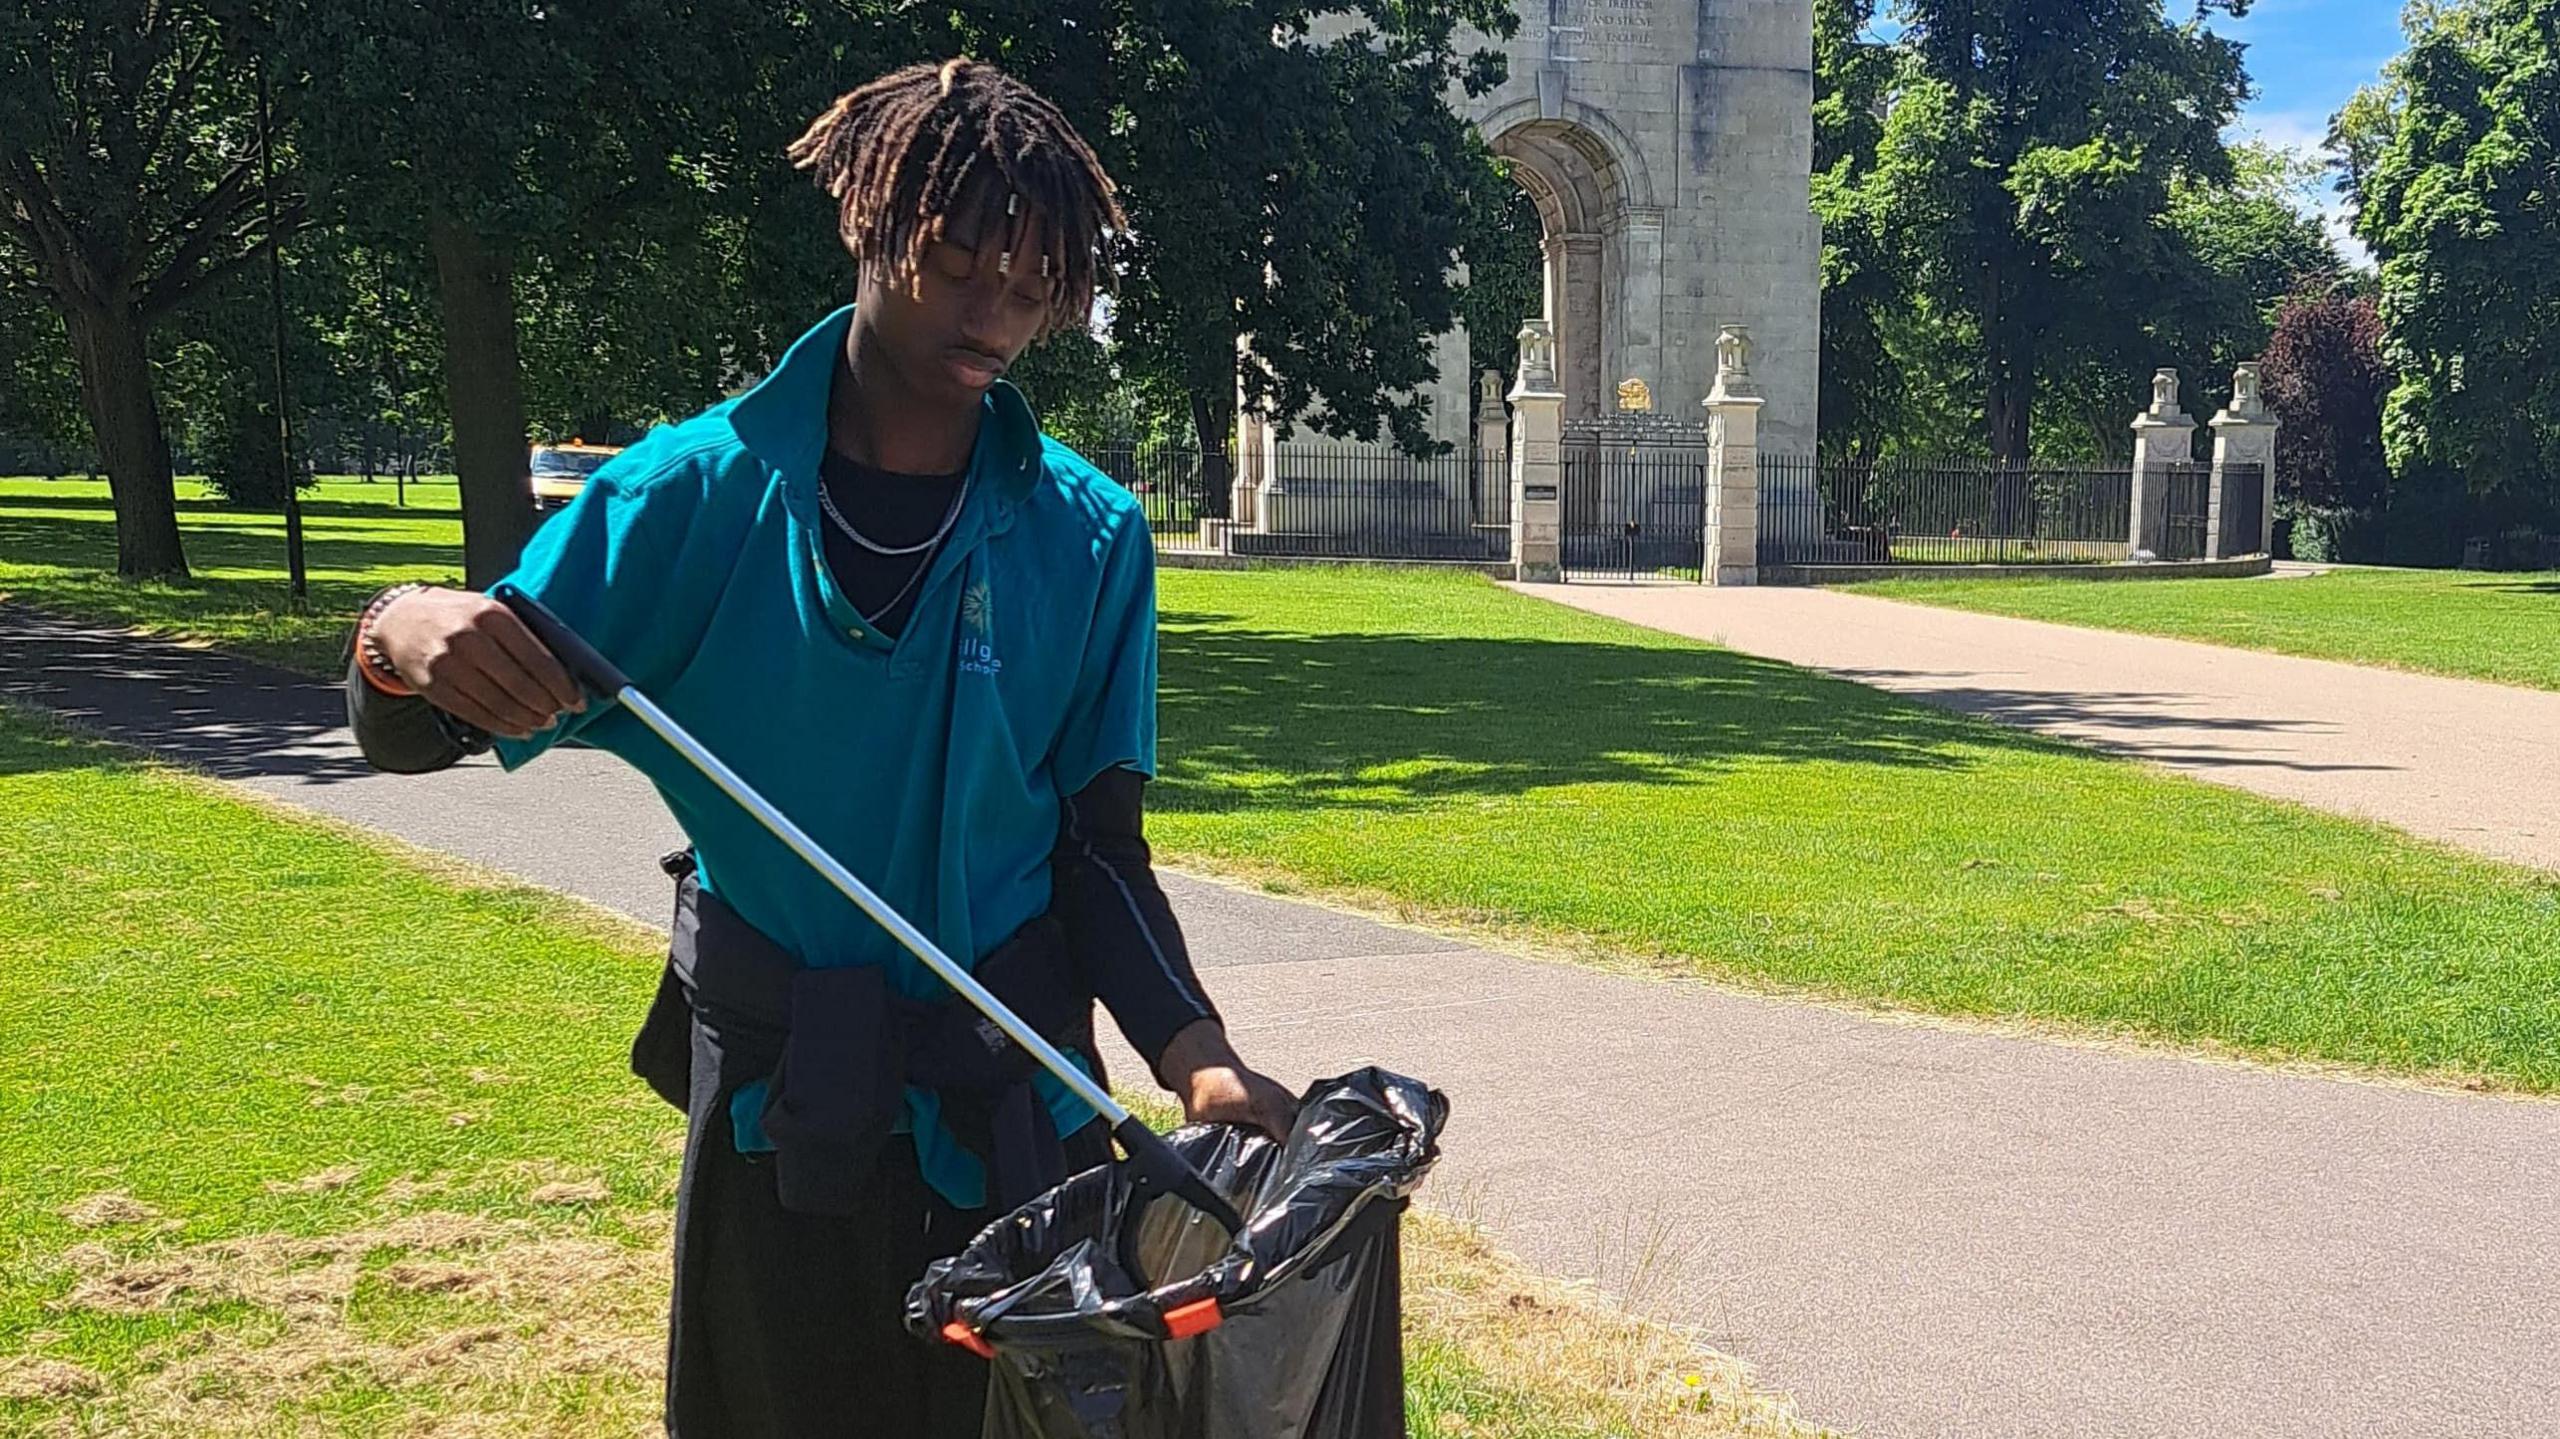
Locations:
(950, 517)
(913, 574)
(916, 571)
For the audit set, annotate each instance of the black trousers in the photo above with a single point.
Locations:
(792, 1326)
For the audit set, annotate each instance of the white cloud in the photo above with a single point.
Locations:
(2305, 134)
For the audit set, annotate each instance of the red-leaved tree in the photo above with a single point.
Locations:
(2325, 381)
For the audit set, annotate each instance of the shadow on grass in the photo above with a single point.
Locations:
(2136, 710)
(1256, 718)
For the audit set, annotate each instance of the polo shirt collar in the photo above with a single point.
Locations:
(782, 420)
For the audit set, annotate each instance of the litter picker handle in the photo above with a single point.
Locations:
(1153, 1164)
(584, 660)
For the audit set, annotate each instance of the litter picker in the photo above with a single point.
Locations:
(1153, 1166)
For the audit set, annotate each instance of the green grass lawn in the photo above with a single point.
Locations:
(1433, 744)
(58, 548)
(1464, 753)
(2500, 627)
(299, 1135)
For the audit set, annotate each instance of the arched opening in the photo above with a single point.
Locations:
(1595, 228)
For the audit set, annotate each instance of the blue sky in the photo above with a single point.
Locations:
(2306, 57)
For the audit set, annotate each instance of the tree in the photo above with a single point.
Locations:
(388, 400)
(1246, 140)
(2024, 174)
(2325, 382)
(218, 361)
(128, 184)
(1506, 276)
(41, 427)
(552, 165)
(1863, 289)
(2246, 246)
(2457, 205)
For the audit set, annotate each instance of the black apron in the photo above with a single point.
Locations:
(792, 1268)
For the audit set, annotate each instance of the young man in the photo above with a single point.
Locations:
(928, 634)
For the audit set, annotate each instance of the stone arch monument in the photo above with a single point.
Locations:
(1668, 146)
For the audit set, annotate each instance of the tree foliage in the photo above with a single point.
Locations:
(1863, 290)
(128, 187)
(612, 240)
(1248, 140)
(597, 188)
(2325, 382)
(1506, 277)
(2455, 180)
(41, 424)
(2019, 200)
(2244, 246)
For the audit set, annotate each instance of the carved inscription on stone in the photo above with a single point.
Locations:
(1599, 29)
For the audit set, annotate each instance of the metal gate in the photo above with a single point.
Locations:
(2188, 501)
(2244, 510)
(1634, 512)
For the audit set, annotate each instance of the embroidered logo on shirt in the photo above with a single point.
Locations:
(977, 631)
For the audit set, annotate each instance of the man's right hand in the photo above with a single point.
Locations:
(469, 656)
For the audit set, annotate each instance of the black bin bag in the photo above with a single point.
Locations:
(1110, 1315)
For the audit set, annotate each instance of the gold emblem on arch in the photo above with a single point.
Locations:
(1634, 395)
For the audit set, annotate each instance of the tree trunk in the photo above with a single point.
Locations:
(115, 389)
(1214, 426)
(2009, 372)
(2009, 403)
(2005, 409)
(484, 390)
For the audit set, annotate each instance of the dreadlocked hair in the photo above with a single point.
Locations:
(899, 155)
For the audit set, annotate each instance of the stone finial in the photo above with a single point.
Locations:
(1733, 366)
(1489, 395)
(2164, 394)
(1733, 351)
(2247, 398)
(1537, 356)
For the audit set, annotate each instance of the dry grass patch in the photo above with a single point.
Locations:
(1538, 1358)
(412, 1323)
(459, 1324)
(100, 1211)
(29, 1376)
(325, 1181)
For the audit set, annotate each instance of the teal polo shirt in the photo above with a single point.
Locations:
(933, 765)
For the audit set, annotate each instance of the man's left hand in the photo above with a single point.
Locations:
(1216, 1087)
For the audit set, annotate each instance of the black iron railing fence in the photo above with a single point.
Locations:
(1322, 501)
(1178, 487)
(1640, 511)
(2186, 500)
(1817, 511)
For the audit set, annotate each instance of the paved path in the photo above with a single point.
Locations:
(2471, 764)
(1921, 1232)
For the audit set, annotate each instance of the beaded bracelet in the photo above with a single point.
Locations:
(376, 666)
